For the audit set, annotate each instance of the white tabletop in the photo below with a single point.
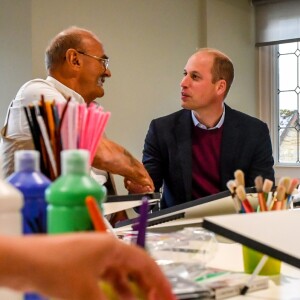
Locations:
(283, 287)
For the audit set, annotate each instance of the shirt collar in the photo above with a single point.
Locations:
(197, 123)
(65, 91)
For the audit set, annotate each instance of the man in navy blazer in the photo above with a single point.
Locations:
(167, 154)
(194, 152)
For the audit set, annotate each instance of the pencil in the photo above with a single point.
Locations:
(95, 214)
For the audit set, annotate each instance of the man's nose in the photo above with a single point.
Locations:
(184, 81)
(107, 72)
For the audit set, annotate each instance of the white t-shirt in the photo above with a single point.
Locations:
(31, 91)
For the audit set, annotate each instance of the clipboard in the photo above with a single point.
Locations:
(272, 232)
(216, 204)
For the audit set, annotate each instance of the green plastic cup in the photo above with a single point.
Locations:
(252, 258)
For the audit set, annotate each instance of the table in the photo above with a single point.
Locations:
(283, 287)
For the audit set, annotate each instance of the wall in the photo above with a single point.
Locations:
(230, 28)
(15, 49)
(148, 43)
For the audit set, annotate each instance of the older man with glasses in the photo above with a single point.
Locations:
(77, 67)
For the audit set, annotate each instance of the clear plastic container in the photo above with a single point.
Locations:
(182, 253)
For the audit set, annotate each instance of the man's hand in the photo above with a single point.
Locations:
(113, 158)
(135, 188)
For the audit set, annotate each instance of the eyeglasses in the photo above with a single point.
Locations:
(104, 61)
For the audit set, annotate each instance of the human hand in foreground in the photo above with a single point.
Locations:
(72, 267)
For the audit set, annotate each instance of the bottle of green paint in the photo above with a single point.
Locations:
(66, 210)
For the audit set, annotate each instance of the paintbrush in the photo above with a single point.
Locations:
(241, 193)
(259, 189)
(231, 185)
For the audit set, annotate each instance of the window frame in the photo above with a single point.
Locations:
(268, 107)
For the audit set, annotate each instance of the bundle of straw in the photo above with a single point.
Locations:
(59, 126)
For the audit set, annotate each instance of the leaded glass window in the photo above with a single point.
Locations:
(288, 106)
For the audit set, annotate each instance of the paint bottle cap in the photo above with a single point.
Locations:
(27, 160)
(75, 161)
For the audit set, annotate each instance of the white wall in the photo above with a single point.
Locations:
(148, 43)
(230, 28)
(15, 49)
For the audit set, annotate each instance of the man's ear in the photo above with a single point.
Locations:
(221, 87)
(72, 58)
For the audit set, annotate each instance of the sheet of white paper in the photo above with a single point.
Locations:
(112, 207)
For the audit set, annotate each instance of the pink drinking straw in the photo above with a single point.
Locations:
(72, 125)
(98, 135)
(84, 135)
(97, 123)
(92, 127)
(75, 122)
(81, 120)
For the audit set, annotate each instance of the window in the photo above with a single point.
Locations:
(277, 27)
(279, 103)
(287, 106)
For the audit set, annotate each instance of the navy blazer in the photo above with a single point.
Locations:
(167, 153)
